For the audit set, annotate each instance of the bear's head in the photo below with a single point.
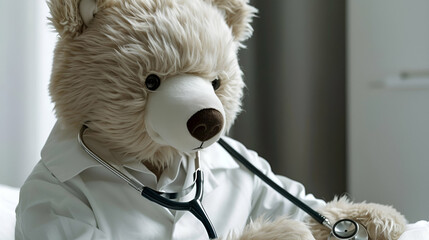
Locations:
(150, 78)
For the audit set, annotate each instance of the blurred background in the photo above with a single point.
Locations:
(337, 95)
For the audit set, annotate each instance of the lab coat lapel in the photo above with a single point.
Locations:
(165, 211)
(213, 159)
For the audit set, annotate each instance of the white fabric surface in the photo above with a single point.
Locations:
(416, 231)
(8, 201)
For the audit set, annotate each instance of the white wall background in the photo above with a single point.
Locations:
(26, 45)
(389, 127)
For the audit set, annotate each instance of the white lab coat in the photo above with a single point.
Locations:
(70, 196)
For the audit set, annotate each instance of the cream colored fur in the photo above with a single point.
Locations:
(382, 222)
(99, 71)
(281, 228)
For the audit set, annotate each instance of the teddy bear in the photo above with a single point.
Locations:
(156, 83)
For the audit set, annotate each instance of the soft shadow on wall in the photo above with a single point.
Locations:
(295, 102)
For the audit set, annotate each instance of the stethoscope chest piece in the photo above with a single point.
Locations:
(347, 229)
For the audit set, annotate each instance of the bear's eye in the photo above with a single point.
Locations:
(216, 84)
(152, 82)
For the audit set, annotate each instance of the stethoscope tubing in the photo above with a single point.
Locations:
(134, 184)
(360, 232)
(194, 206)
(317, 216)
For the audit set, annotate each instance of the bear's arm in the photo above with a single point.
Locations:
(268, 203)
(50, 210)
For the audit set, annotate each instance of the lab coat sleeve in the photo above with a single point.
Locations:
(267, 202)
(48, 209)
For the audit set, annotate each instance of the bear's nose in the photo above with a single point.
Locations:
(205, 124)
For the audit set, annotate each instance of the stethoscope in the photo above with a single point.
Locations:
(345, 229)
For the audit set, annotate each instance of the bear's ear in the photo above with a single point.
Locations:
(238, 15)
(70, 17)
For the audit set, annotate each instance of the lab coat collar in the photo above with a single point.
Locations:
(168, 176)
(65, 158)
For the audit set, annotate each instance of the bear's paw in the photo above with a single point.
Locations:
(281, 228)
